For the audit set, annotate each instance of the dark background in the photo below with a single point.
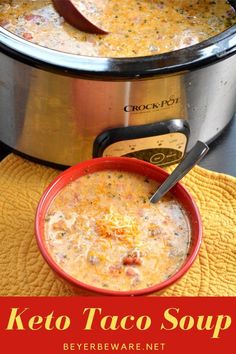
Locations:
(222, 154)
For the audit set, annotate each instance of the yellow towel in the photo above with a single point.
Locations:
(24, 272)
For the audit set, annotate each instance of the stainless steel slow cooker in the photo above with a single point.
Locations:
(64, 108)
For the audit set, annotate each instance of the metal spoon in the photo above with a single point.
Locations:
(73, 15)
(191, 159)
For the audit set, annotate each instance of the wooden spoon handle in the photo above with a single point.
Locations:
(75, 18)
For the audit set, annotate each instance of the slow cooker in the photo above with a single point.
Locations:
(64, 108)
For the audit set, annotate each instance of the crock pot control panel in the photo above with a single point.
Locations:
(161, 143)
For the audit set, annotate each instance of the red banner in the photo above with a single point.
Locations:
(117, 325)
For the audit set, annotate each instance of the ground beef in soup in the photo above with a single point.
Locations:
(102, 230)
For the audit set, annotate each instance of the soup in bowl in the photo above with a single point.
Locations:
(97, 229)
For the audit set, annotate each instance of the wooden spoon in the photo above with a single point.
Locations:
(72, 15)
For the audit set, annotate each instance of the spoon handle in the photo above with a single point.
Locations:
(192, 158)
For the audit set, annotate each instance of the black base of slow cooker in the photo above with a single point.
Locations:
(214, 143)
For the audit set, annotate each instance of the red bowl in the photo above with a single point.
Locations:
(121, 164)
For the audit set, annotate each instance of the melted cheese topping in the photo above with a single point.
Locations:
(136, 27)
(102, 230)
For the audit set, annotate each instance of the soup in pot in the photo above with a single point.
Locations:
(102, 230)
(136, 27)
